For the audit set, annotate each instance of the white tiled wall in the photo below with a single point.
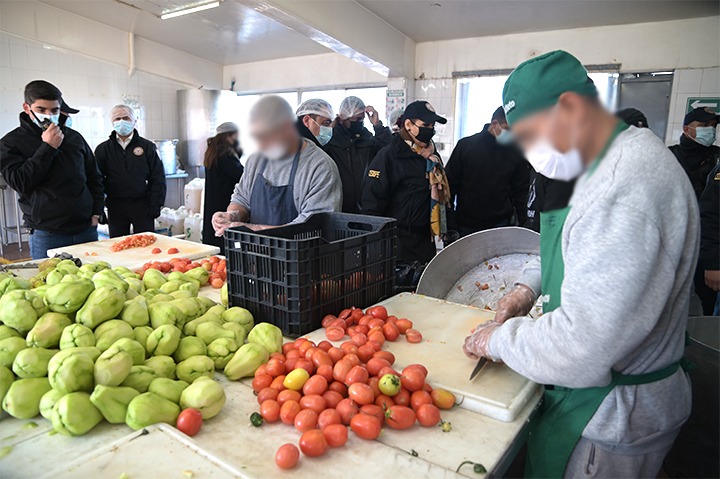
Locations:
(441, 95)
(93, 86)
(689, 83)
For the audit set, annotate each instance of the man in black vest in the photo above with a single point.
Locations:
(133, 175)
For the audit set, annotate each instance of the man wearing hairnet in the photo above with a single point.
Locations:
(615, 271)
(288, 180)
(314, 121)
(352, 147)
(133, 176)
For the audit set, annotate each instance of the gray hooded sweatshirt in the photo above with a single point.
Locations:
(630, 246)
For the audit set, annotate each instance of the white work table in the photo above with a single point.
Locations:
(229, 446)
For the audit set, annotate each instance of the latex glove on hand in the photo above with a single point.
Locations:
(517, 302)
(222, 220)
(477, 344)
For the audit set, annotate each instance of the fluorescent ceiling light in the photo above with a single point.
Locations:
(191, 9)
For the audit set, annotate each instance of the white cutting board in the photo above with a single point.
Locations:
(497, 391)
(134, 258)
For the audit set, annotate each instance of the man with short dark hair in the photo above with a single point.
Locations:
(489, 178)
(133, 175)
(54, 171)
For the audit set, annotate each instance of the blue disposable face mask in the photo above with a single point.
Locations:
(505, 137)
(40, 118)
(705, 135)
(123, 127)
(325, 134)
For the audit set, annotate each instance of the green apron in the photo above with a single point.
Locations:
(567, 411)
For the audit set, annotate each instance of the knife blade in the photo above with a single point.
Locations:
(481, 362)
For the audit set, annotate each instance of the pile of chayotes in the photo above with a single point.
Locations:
(322, 389)
(83, 344)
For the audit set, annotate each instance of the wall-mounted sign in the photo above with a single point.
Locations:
(702, 102)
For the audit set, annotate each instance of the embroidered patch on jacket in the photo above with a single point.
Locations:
(374, 174)
(138, 151)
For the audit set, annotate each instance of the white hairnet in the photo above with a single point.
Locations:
(350, 107)
(122, 109)
(315, 106)
(395, 116)
(227, 127)
(270, 112)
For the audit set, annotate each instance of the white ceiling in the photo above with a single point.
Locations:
(228, 34)
(432, 20)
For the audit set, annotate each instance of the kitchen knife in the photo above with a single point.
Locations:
(481, 362)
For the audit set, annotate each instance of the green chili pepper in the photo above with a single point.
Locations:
(256, 419)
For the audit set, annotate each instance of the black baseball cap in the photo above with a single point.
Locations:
(633, 116)
(701, 114)
(67, 109)
(424, 111)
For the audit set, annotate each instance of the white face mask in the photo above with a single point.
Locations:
(504, 137)
(275, 152)
(549, 162)
(39, 118)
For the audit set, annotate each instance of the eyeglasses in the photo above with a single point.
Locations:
(327, 122)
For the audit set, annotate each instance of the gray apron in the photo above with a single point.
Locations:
(273, 205)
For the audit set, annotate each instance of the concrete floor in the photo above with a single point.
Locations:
(12, 253)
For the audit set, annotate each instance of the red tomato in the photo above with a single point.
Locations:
(292, 354)
(391, 319)
(278, 356)
(313, 443)
(270, 410)
(339, 388)
(309, 353)
(428, 415)
(427, 388)
(261, 382)
(332, 398)
(287, 456)
(336, 354)
(419, 367)
(314, 402)
(341, 369)
(304, 346)
(365, 352)
(335, 434)
(373, 383)
(386, 355)
(173, 251)
(325, 345)
(267, 393)
(352, 358)
(325, 371)
(334, 334)
(345, 313)
(290, 364)
(156, 251)
(261, 370)
(418, 398)
(364, 320)
(277, 383)
(357, 374)
(402, 398)
(306, 420)
(328, 417)
(275, 367)
(347, 410)
(373, 410)
(412, 379)
(379, 312)
(359, 339)
(320, 357)
(365, 426)
(351, 331)
(217, 283)
(356, 315)
(384, 401)
(189, 421)
(376, 336)
(403, 325)
(391, 332)
(338, 323)
(413, 336)
(363, 329)
(400, 417)
(288, 411)
(361, 393)
(387, 370)
(288, 395)
(442, 399)
(305, 364)
(374, 365)
(327, 320)
(315, 385)
(375, 323)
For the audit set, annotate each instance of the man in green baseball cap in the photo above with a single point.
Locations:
(614, 273)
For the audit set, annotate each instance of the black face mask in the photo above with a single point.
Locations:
(356, 127)
(236, 144)
(425, 134)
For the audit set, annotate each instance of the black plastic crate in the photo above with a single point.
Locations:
(292, 276)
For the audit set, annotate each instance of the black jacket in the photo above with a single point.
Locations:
(396, 186)
(697, 161)
(220, 181)
(710, 222)
(135, 173)
(546, 195)
(352, 155)
(488, 181)
(306, 133)
(60, 190)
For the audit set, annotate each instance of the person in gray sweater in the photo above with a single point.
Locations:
(615, 276)
(288, 180)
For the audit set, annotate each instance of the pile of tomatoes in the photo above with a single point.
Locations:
(321, 389)
(216, 266)
(372, 325)
(134, 241)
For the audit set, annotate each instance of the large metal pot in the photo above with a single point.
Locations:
(695, 452)
(168, 155)
(477, 269)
